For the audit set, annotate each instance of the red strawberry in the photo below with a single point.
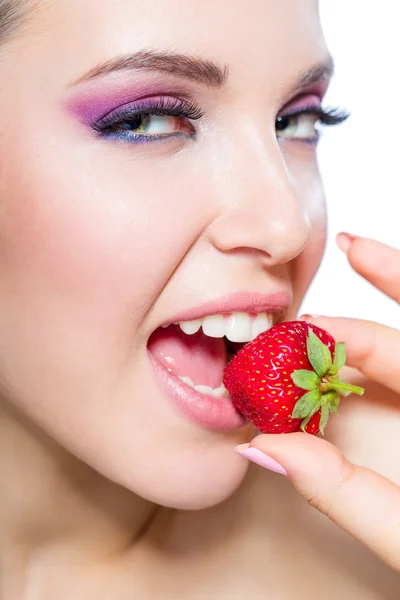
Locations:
(287, 378)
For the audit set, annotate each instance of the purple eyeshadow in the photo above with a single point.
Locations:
(305, 102)
(92, 105)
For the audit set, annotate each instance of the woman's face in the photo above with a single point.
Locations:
(115, 221)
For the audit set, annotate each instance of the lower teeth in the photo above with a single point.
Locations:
(220, 392)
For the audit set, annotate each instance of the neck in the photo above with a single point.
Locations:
(49, 499)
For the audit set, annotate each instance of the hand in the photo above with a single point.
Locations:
(362, 502)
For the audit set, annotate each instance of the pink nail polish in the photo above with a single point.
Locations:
(260, 458)
(344, 241)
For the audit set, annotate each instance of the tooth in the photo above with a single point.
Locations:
(214, 326)
(238, 327)
(190, 327)
(221, 392)
(203, 389)
(260, 324)
(187, 380)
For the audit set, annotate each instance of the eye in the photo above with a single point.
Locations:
(301, 126)
(152, 125)
(305, 125)
(150, 120)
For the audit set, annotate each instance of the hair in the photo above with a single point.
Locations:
(10, 16)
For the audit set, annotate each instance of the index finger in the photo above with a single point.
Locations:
(376, 262)
(371, 348)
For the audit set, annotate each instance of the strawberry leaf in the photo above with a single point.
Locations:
(331, 399)
(306, 421)
(334, 403)
(324, 417)
(306, 380)
(308, 404)
(340, 356)
(318, 354)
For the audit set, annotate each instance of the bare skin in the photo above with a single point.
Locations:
(107, 491)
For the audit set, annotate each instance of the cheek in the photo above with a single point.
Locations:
(98, 228)
(309, 261)
(88, 242)
(89, 239)
(306, 178)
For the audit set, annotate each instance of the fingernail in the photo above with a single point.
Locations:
(260, 458)
(308, 317)
(344, 241)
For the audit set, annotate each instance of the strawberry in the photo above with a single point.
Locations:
(287, 379)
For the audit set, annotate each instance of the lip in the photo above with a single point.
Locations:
(217, 414)
(250, 302)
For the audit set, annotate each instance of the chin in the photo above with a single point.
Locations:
(188, 474)
(198, 487)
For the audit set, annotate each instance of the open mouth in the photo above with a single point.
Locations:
(191, 357)
(197, 352)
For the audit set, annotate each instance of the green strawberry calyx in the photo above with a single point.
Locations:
(323, 385)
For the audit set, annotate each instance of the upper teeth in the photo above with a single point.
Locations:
(238, 327)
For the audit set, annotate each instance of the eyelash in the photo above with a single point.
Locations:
(188, 111)
(326, 116)
(162, 107)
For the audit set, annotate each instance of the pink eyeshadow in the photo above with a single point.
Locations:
(97, 101)
(302, 103)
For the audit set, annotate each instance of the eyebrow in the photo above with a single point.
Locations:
(321, 71)
(185, 66)
(196, 69)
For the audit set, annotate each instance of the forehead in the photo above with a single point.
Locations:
(263, 34)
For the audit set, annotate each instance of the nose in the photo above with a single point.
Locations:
(262, 210)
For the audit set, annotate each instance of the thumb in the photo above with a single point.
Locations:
(314, 466)
(360, 501)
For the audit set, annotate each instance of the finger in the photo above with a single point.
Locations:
(360, 501)
(376, 262)
(371, 348)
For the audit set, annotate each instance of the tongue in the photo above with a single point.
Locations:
(199, 357)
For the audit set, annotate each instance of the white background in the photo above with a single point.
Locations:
(360, 160)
